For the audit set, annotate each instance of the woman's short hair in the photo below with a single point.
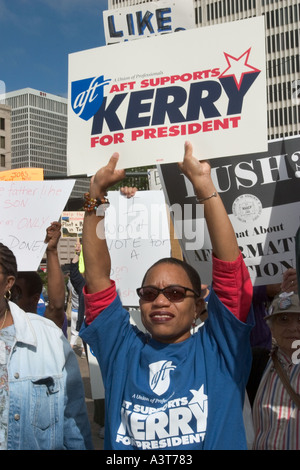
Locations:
(190, 271)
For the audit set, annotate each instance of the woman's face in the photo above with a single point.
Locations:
(285, 328)
(166, 321)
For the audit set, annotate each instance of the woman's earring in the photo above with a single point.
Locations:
(7, 295)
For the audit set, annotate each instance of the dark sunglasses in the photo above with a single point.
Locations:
(173, 293)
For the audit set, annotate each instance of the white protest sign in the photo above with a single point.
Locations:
(143, 99)
(137, 234)
(151, 19)
(27, 208)
(261, 196)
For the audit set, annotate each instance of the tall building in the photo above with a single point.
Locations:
(282, 19)
(39, 125)
(39, 130)
(5, 137)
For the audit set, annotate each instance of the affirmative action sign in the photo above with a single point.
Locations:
(143, 99)
(261, 195)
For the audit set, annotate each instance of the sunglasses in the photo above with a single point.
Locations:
(173, 293)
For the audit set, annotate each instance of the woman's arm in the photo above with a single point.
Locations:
(221, 232)
(95, 252)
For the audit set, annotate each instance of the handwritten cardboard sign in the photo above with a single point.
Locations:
(22, 174)
(137, 234)
(27, 208)
(143, 99)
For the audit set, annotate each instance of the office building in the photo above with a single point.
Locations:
(282, 18)
(5, 137)
(39, 125)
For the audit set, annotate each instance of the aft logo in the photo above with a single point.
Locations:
(87, 96)
(159, 378)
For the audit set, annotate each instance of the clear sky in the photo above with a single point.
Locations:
(36, 37)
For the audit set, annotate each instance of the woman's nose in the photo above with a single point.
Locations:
(161, 299)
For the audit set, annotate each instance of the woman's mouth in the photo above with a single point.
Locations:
(161, 317)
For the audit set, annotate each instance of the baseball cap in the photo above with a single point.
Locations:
(284, 303)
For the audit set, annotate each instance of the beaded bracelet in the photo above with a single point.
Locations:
(93, 204)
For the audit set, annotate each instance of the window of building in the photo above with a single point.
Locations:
(2, 142)
(2, 160)
(2, 124)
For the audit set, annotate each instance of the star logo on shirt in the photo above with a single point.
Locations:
(198, 397)
(238, 67)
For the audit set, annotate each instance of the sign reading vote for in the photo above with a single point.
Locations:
(143, 99)
(150, 19)
(137, 234)
(27, 208)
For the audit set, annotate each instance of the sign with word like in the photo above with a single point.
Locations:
(261, 195)
(143, 99)
(147, 20)
(27, 208)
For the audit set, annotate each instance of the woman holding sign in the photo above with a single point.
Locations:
(170, 389)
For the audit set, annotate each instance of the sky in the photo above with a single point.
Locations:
(36, 37)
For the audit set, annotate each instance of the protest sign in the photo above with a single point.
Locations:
(143, 99)
(22, 174)
(137, 234)
(261, 195)
(27, 208)
(72, 223)
(145, 20)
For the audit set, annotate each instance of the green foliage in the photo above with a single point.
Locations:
(43, 275)
(140, 180)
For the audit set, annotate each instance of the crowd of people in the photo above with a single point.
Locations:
(231, 384)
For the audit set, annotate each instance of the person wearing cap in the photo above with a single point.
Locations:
(276, 412)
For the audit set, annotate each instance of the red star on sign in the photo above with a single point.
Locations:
(237, 67)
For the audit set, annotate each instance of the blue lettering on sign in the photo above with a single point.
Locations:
(87, 96)
(143, 22)
(167, 103)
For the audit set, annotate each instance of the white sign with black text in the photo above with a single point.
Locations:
(261, 195)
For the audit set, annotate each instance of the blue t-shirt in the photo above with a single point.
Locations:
(181, 396)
